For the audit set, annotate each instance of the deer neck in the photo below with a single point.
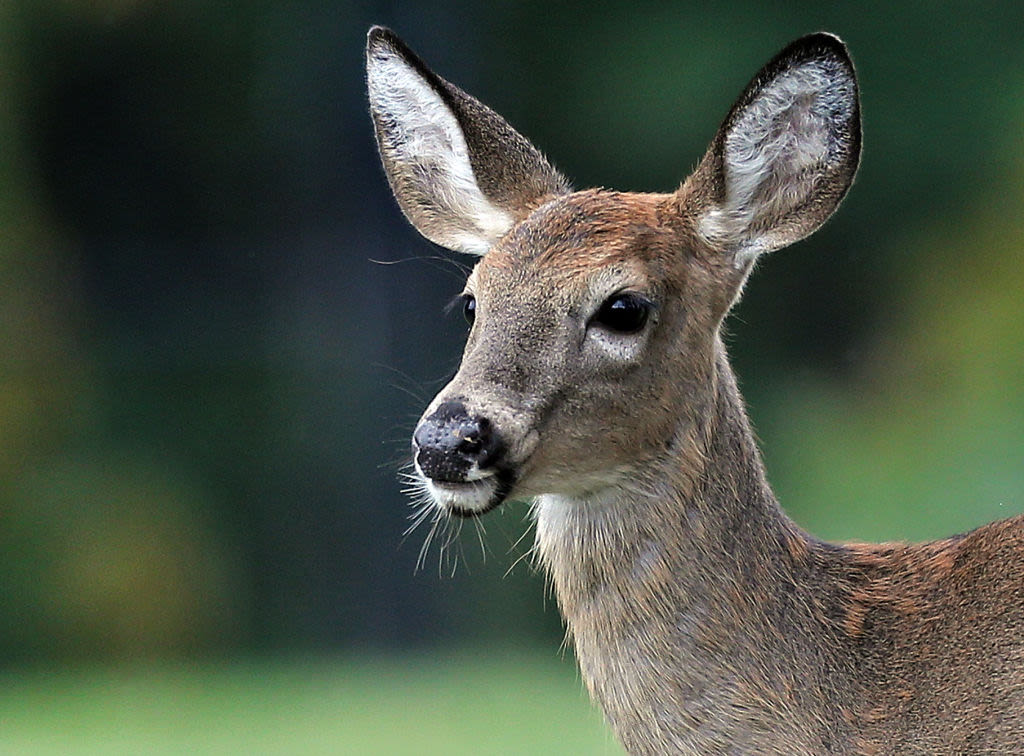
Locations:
(671, 585)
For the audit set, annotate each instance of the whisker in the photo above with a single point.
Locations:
(479, 527)
(512, 566)
(529, 554)
(452, 533)
(421, 559)
(461, 269)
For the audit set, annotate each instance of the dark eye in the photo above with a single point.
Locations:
(469, 308)
(623, 313)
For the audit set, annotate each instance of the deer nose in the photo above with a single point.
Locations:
(453, 447)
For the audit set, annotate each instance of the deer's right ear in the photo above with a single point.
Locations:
(460, 173)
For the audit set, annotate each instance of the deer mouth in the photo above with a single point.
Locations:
(471, 498)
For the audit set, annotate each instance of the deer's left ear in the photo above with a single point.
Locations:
(460, 173)
(786, 153)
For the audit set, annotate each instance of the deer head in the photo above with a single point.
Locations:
(596, 314)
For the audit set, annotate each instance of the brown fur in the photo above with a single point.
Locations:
(704, 620)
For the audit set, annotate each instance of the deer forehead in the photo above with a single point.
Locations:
(592, 242)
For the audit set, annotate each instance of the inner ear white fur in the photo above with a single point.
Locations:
(425, 135)
(776, 154)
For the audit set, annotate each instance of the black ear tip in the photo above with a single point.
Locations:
(825, 39)
(384, 43)
(382, 36)
(817, 45)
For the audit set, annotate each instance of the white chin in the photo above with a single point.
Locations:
(474, 497)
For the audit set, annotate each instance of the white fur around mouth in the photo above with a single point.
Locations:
(473, 496)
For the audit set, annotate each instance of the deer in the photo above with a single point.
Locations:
(595, 386)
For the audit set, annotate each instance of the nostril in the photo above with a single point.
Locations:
(489, 446)
(475, 434)
(448, 443)
(470, 445)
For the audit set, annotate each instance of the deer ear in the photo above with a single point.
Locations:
(460, 173)
(785, 155)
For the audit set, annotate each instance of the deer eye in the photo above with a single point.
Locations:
(623, 313)
(469, 308)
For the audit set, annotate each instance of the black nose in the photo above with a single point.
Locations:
(450, 441)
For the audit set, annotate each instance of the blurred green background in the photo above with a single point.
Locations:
(216, 332)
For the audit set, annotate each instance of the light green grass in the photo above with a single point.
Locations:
(482, 702)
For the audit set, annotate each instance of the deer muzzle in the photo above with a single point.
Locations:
(458, 456)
